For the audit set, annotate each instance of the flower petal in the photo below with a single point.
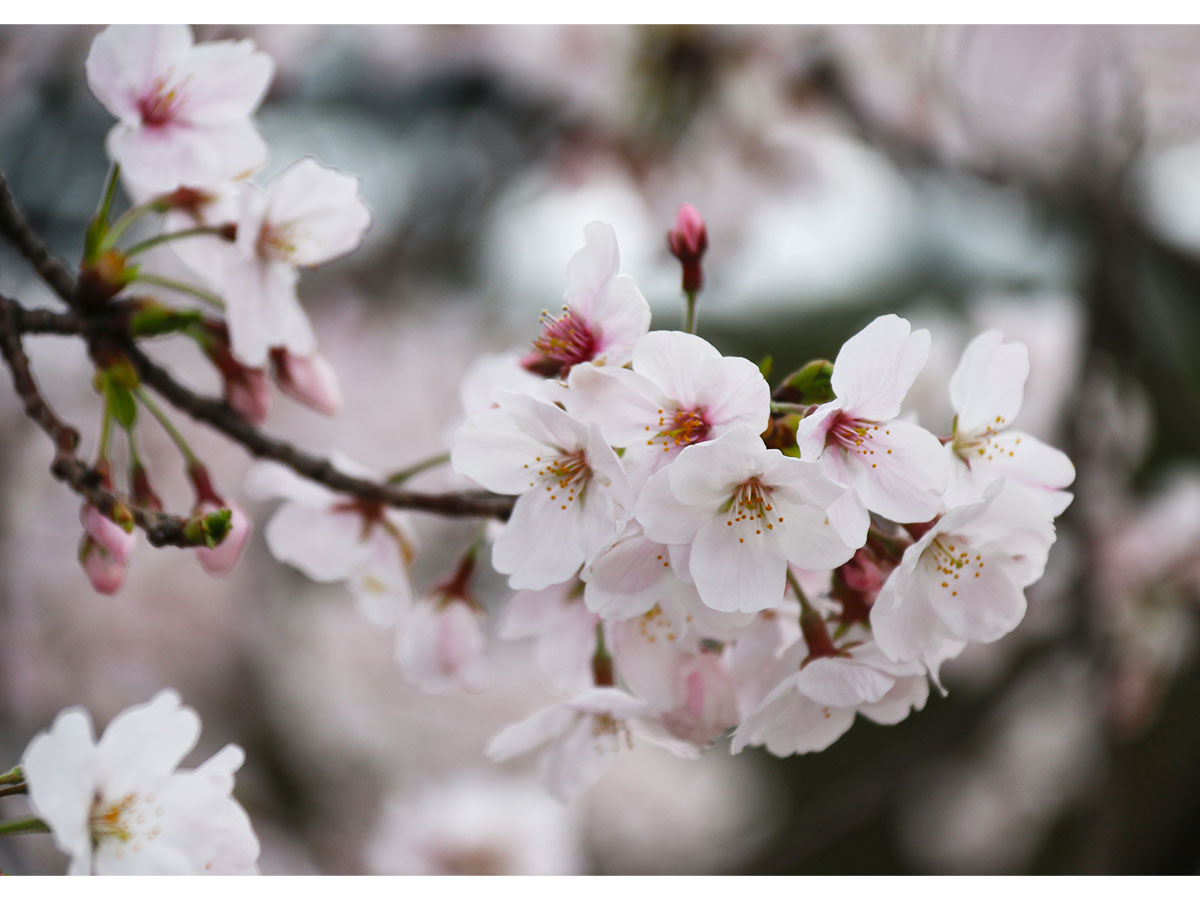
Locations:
(145, 742)
(987, 388)
(736, 573)
(875, 368)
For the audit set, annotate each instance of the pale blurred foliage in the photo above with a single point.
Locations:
(949, 174)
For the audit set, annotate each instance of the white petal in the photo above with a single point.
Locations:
(492, 449)
(318, 212)
(145, 742)
(899, 471)
(60, 771)
(983, 604)
(263, 311)
(705, 475)
(875, 368)
(323, 544)
(592, 268)
(440, 648)
(521, 737)
(621, 318)
(908, 694)
(831, 681)
(664, 518)
(622, 403)
(674, 361)
(733, 392)
(807, 536)
(626, 579)
(574, 763)
(788, 722)
(903, 623)
(542, 543)
(181, 153)
(735, 570)
(987, 387)
(813, 429)
(223, 81)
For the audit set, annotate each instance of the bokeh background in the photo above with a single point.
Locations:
(1040, 180)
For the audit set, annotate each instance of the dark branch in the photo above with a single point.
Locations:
(43, 321)
(14, 226)
(218, 415)
(161, 529)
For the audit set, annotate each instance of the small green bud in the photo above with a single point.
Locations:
(810, 385)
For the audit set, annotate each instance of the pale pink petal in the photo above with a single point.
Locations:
(542, 544)
(907, 695)
(623, 404)
(625, 580)
(311, 380)
(441, 648)
(222, 559)
(733, 392)
(987, 387)
(492, 449)
(607, 701)
(812, 430)
(574, 763)
(592, 268)
(983, 605)
(126, 61)
(875, 368)
(621, 318)
(664, 518)
(788, 722)
(543, 421)
(521, 737)
(222, 81)
(164, 158)
(705, 475)
(831, 681)
(903, 621)
(263, 311)
(807, 537)
(380, 582)
(899, 471)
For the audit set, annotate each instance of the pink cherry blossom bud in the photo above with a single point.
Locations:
(107, 534)
(106, 573)
(308, 379)
(221, 559)
(688, 240)
(248, 393)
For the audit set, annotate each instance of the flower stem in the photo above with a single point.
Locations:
(155, 410)
(199, 293)
(14, 790)
(416, 468)
(126, 219)
(13, 776)
(689, 322)
(110, 190)
(31, 825)
(105, 435)
(142, 246)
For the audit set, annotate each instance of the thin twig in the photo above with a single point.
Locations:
(15, 227)
(161, 529)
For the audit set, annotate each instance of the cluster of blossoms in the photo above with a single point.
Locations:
(694, 553)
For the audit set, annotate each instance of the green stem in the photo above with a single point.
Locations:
(689, 323)
(110, 190)
(418, 467)
(154, 410)
(13, 776)
(199, 293)
(14, 790)
(105, 433)
(32, 825)
(145, 245)
(126, 219)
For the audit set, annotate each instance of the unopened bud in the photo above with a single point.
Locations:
(688, 240)
(308, 379)
(111, 537)
(221, 559)
(105, 573)
(248, 393)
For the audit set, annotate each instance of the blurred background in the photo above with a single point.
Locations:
(1040, 180)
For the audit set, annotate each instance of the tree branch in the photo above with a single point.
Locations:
(219, 416)
(15, 227)
(161, 529)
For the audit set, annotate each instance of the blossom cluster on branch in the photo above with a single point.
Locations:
(694, 552)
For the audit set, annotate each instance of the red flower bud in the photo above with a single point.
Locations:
(688, 240)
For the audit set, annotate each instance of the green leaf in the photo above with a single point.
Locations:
(120, 403)
(810, 385)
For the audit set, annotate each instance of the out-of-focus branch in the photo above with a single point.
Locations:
(14, 226)
(218, 415)
(214, 413)
(161, 529)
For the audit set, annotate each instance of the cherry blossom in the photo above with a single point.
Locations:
(987, 390)
(330, 538)
(574, 495)
(309, 215)
(896, 468)
(120, 807)
(681, 391)
(964, 580)
(604, 315)
(582, 736)
(221, 559)
(565, 630)
(816, 704)
(184, 108)
(746, 512)
(442, 642)
(310, 380)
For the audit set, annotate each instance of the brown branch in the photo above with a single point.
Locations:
(14, 226)
(43, 321)
(161, 529)
(219, 416)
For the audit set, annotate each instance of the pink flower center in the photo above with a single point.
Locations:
(750, 511)
(948, 555)
(161, 107)
(275, 243)
(568, 339)
(688, 426)
(854, 435)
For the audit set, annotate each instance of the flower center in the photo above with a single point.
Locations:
(568, 340)
(161, 107)
(566, 477)
(689, 426)
(750, 510)
(986, 443)
(131, 818)
(952, 561)
(276, 243)
(854, 435)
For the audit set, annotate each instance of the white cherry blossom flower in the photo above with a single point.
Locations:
(964, 580)
(120, 807)
(331, 538)
(184, 108)
(604, 315)
(442, 644)
(309, 215)
(574, 496)
(565, 630)
(987, 390)
(896, 468)
(816, 704)
(681, 391)
(746, 512)
(583, 736)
